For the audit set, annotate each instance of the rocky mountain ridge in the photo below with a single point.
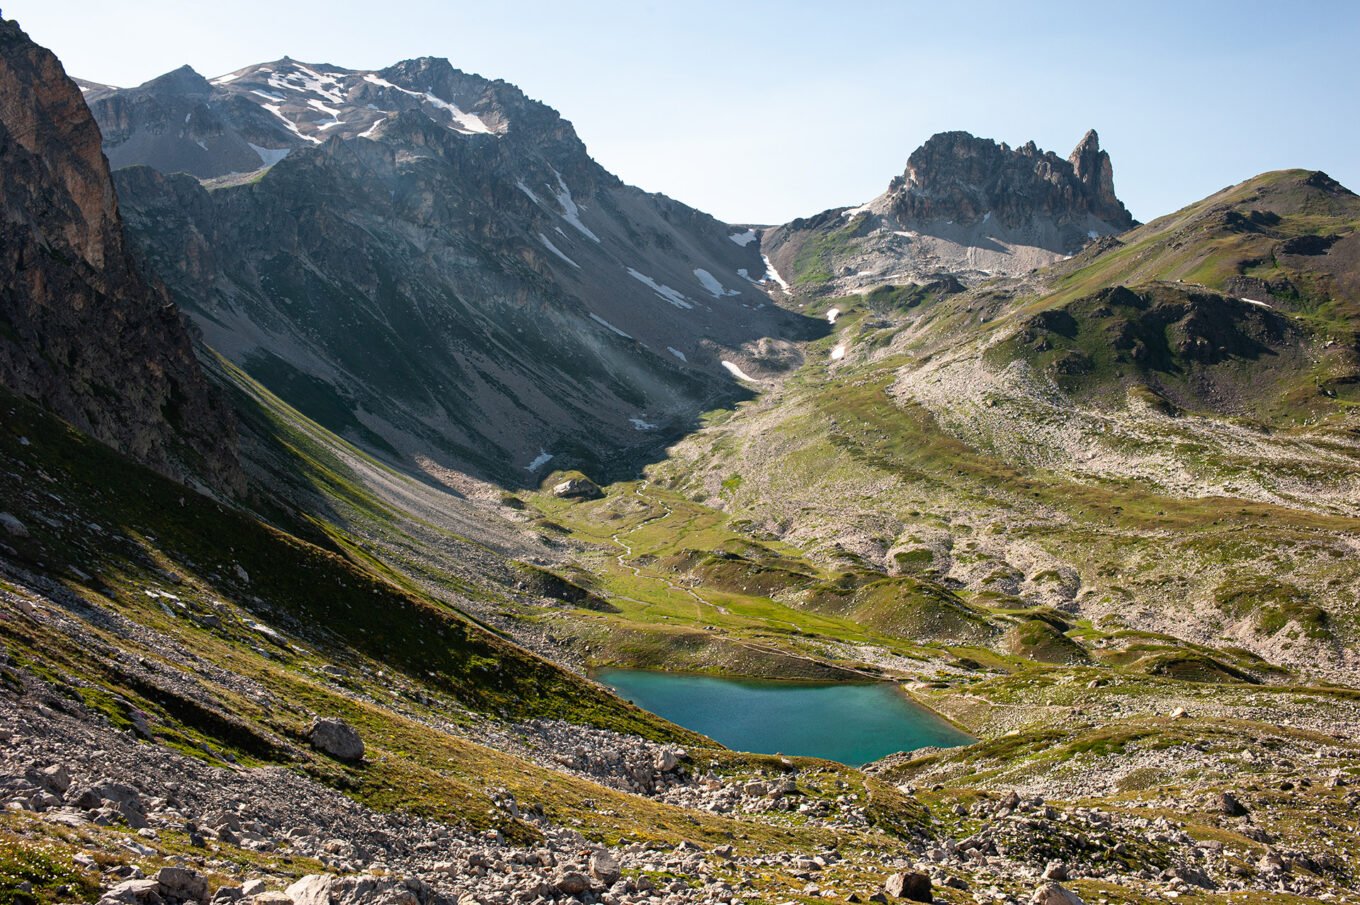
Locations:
(430, 264)
(966, 207)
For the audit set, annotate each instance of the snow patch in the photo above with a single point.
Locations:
(1256, 302)
(292, 126)
(519, 184)
(838, 353)
(1092, 234)
(373, 129)
(710, 282)
(547, 243)
(677, 353)
(570, 211)
(309, 81)
(224, 79)
(640, 425)
(832, 315)
(467, 123)
(674, 296)
(276, 98)
(738, 372)
(743, 239)
(543, 458)
(604, 323)
(772, 274)
(269, 157)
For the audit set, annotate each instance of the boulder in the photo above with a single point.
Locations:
(12, 526)
(182, 884)
(1188, 873)
(1271, 862)
(313, 889)
(1229, 805)
(1056, 870)
(337, 738)
(571, 883)
(134, 892)
(1053, 894)
(666, 760)
(55, 779)
(577, 488)
(271, 898)
(604, 867)
(114, 798)
(909, 885)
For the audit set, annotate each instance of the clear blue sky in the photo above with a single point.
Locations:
(762, 111)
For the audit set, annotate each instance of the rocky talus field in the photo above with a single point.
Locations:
(351, 420)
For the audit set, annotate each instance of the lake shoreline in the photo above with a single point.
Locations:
(854, 723)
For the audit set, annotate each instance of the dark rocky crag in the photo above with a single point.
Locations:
(967, 207)
(957, 177)
(82, 331)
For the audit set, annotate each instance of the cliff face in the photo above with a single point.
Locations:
(966, 207)
(82, 331)
(957, 177)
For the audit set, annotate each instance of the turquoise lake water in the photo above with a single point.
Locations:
(852, 724)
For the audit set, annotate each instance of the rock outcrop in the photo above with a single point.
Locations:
(956, 178)
(966, 208)
(82, 331)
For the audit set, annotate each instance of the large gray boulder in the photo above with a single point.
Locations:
(910, 885)
(182, 884)
(1054, 894)
(577, 488)
(604, 867)
(337, 738)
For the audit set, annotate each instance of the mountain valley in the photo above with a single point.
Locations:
(354, 419)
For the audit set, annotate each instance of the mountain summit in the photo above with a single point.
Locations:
(966, 206)
(955, 178)
(430, 263)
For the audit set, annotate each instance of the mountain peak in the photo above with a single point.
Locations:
(968, 206)
(184, 80)
(958, 177)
